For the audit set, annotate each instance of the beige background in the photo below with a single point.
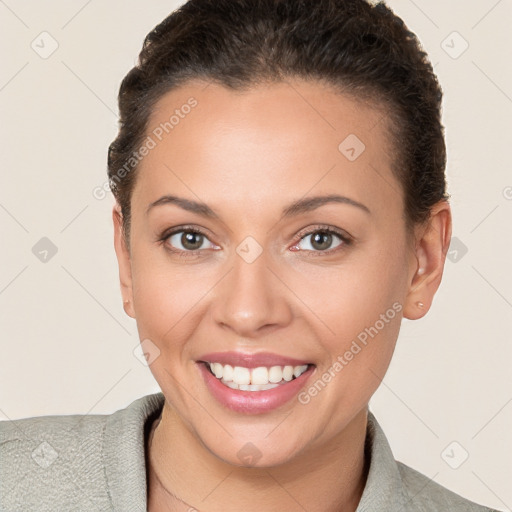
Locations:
(68, 346)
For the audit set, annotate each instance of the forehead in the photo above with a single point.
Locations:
(260, 143)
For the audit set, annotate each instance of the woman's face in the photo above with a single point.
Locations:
(262, 275)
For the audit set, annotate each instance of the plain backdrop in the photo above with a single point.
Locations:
(67, 346)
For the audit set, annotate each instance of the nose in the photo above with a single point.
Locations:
(252, 299)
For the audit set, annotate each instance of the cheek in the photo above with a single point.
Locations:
(167, 298)
(351, 296)
(360, 307)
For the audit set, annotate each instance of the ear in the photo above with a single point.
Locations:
(123, 261)
(431, 247)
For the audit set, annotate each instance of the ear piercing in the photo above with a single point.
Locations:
(420, 272)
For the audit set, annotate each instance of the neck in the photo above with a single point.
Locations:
(184, 475)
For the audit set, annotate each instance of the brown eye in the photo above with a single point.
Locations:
(322, 241)
(189, 240)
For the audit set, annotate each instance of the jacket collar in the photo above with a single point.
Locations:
(124, 447)
(384, 489)
(124, 452)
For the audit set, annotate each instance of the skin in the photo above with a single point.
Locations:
(248, 155)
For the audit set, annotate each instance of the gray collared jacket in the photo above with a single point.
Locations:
(97, 463)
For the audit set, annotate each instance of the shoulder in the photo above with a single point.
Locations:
(56, 428)
(68, 462)
(423, 494)
(44, 439)
(394, 486)
(44, 457)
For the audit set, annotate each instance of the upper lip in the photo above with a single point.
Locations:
(248, 360)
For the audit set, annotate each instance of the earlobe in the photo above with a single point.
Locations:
(123, 261)
(428, 263)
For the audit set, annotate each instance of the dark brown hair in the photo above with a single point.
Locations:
(359, 48)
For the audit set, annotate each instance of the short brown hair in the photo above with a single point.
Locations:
(357, 47)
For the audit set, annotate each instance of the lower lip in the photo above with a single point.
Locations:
(253, 402)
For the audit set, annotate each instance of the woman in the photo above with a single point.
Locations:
(281, 206)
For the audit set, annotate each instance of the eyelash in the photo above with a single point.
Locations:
(345, 239)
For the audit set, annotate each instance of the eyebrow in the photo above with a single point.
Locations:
(295, 208)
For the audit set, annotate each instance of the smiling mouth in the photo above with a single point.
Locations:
(261, 378)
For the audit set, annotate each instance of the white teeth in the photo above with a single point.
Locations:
(275, 374)
(288, 373)
(241, 375)
(259, 375)
(249, 387)
(228, 373)
(255, 379)
(217, 369)
(299, 370)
